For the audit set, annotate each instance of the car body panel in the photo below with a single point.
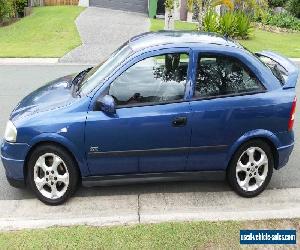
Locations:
(140, 139)
(156, 136)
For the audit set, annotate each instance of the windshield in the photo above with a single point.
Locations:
(99, 74)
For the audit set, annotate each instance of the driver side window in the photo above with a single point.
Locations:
(157, 79)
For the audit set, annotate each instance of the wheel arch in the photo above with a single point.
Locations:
(59, 141)
(264, 135)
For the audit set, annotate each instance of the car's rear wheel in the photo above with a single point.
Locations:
(251, 168)
(52, 174)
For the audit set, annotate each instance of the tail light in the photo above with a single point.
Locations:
(292, 115)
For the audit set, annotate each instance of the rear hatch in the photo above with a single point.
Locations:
(283, 68)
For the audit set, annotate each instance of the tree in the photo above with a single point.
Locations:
(169, 14)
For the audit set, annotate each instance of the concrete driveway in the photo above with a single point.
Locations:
(102, 31)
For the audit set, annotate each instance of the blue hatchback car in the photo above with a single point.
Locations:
(164, 106)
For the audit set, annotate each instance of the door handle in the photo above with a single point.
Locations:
(179, 121)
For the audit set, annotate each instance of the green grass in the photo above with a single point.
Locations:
(48, 32)
(158, 24)
(193, 235)
(287, 44)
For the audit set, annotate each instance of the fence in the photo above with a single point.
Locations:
(61, 2)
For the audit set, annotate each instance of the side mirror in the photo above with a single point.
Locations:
(106, 104)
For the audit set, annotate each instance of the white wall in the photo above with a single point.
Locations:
(84, 3)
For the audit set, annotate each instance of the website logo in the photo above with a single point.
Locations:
(267, 236)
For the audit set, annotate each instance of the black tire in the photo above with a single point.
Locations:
(231, 171)
(70, 164)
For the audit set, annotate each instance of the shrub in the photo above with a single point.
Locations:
(276, 3)
(282, 20)
(11, 9)
(227, 24)
(7, 10)
(293, 6)
(233, 24)
(243, 25)
(210, 21)
(20, 5)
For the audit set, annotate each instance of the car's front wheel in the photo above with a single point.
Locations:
(52, 174)
(251, 168)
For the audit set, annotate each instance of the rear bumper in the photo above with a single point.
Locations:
(13, 158)
(284, 155)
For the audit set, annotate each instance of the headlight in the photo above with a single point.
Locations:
(10, 134)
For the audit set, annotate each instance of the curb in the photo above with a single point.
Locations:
(7, 61)
(150, 208)
(295, 59)
(37, 61)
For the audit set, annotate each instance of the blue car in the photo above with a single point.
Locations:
(164, 106)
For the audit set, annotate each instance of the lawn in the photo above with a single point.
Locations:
(287, 44)
(189, 235)
(48, 32)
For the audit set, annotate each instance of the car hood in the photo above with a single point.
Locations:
(55, 94)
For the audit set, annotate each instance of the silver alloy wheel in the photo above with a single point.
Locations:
(252, 169)
(51, 176)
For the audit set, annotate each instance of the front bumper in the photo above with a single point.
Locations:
(13, 157)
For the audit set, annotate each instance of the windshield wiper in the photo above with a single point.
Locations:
(78, 79)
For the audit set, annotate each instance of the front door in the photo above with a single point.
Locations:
(150, 132)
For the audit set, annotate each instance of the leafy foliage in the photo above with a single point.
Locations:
(276, 3)
(227, 3)
(282, 20)
(6, 9)
(293, 6)
(232, 24)
(171, 4)
(11, 9)
(243, 27)
(190, 4)
(227, 24)
(211, 22)
(20, 5)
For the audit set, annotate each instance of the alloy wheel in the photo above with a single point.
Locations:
(252, 169)
(51, 176)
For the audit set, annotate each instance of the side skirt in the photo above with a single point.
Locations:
(109, 180)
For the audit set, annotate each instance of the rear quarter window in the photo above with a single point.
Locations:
(278, 71)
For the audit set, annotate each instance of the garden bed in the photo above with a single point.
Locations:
(9, 22)
(274, 29)
(287, 44)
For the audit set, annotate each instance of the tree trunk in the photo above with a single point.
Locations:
(200, 15)
(169, 20)
(189, 17)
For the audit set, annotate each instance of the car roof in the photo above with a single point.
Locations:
(151, 39)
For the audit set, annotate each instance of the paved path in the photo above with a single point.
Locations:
(102, 31)
(153, 207)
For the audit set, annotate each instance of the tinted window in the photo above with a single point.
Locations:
(153, 80)
(219, 75)
(99, 73)
(278, 71)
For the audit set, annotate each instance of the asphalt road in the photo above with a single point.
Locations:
(17, 81)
